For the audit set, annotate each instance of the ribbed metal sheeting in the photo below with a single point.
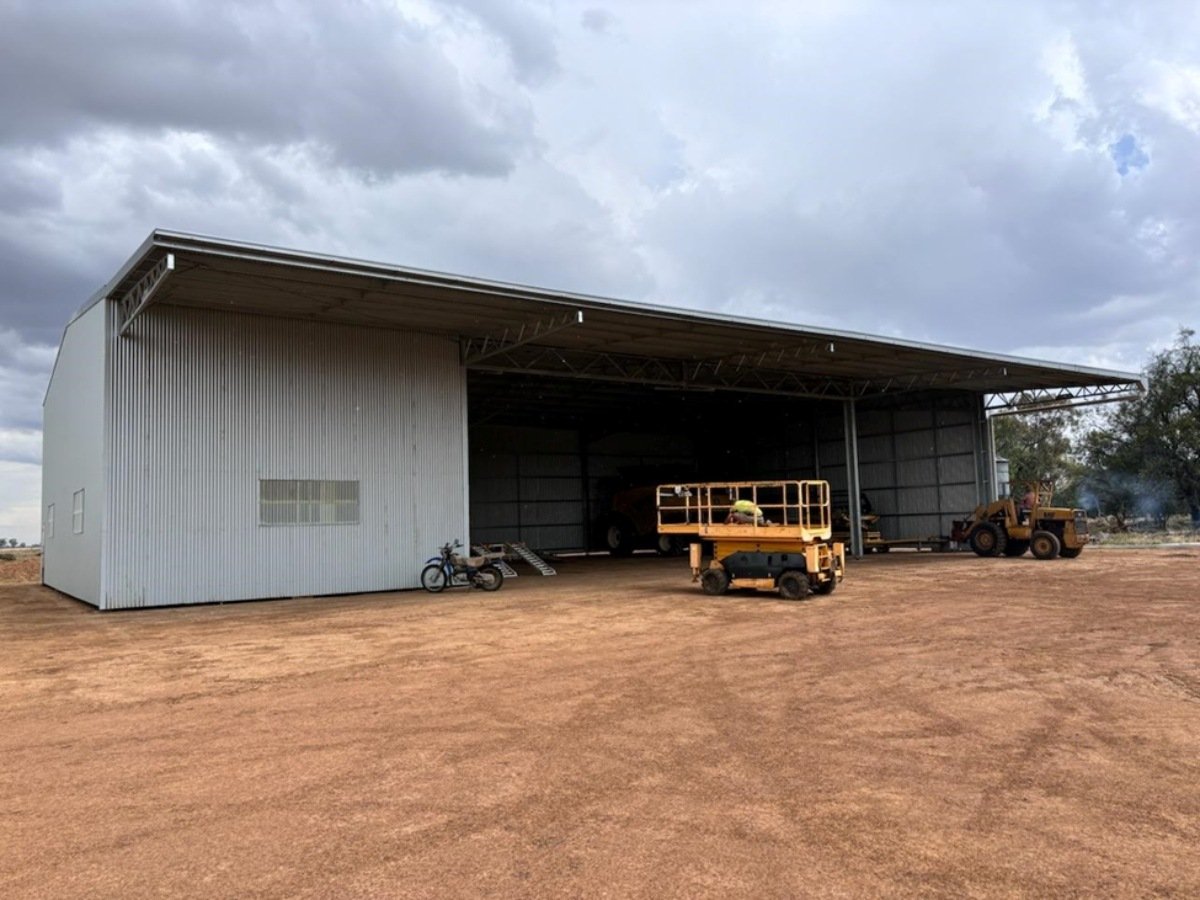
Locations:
(205, 404)
(73, 459)
(917, 462)
(766, 454)
(527, 485)
(633, 459)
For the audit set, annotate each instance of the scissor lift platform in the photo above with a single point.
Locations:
(785, 547)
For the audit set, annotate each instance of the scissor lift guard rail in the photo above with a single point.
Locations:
(780, 540)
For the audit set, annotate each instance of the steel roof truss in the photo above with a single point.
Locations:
(1044, 399)
(703, 375)
(139, 296)
(943, 378)
(475, 350)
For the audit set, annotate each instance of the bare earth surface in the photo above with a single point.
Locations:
(23, 566)
(942, 725)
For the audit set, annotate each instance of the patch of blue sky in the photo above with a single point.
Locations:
(1128, 155)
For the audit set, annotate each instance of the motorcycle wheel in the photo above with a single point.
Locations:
(433, 578)
(489, 578)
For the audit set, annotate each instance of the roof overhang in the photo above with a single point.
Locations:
(515, 328)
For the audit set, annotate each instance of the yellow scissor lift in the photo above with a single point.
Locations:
(787, 549)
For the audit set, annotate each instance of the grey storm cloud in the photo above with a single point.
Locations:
(373, 90)
(22, 409)
(1015, 177)
(41, 285)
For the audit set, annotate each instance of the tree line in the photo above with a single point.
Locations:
(1139, 459)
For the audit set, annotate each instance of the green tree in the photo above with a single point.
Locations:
(1146, 460)
(1039, 447)
(1114, 484)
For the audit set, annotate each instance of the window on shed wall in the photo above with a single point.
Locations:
(299, 502)
(50, 521)
(77, 512)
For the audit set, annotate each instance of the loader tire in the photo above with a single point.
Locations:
(1016, 548)
(988, 539)
(1070, 552)
(1045, 544)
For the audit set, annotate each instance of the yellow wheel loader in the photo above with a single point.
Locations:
(765, 535)
(1013, 525)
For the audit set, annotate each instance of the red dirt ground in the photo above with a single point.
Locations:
(24, 568)
(941, 726)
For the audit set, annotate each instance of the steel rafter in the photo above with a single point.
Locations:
(778, 354)
(1044, 399)
(703, 375)
(139, 296)
(475, 350)
(733, 374)
(942, 378)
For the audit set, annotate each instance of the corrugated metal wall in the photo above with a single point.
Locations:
(624, 459)
(918, 461)
(527, 485)
(73, 459)
(548, 487)
(753, 449)
(205, 404)
(919, 464)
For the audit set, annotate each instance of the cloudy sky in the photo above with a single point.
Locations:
(1021, 177)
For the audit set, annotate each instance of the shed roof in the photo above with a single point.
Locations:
(518, 328)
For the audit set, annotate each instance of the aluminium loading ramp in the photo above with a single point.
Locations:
(533, 559)
(499, 554)
(497, 560)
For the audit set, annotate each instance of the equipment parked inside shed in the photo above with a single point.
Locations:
(873, 540)
(872, 536)
(766, 535)
(631, 524)
(1010, 526)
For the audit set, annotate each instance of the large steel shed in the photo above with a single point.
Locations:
(227, 421)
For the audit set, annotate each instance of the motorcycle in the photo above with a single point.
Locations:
(450, 569)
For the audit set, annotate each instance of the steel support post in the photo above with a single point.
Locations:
(853, 490)
(984, 478)
(991, 460)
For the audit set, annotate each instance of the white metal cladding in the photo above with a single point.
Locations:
(205, 404)
(73, 460)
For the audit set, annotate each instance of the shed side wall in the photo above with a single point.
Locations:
(73, 460)
(206, 404)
